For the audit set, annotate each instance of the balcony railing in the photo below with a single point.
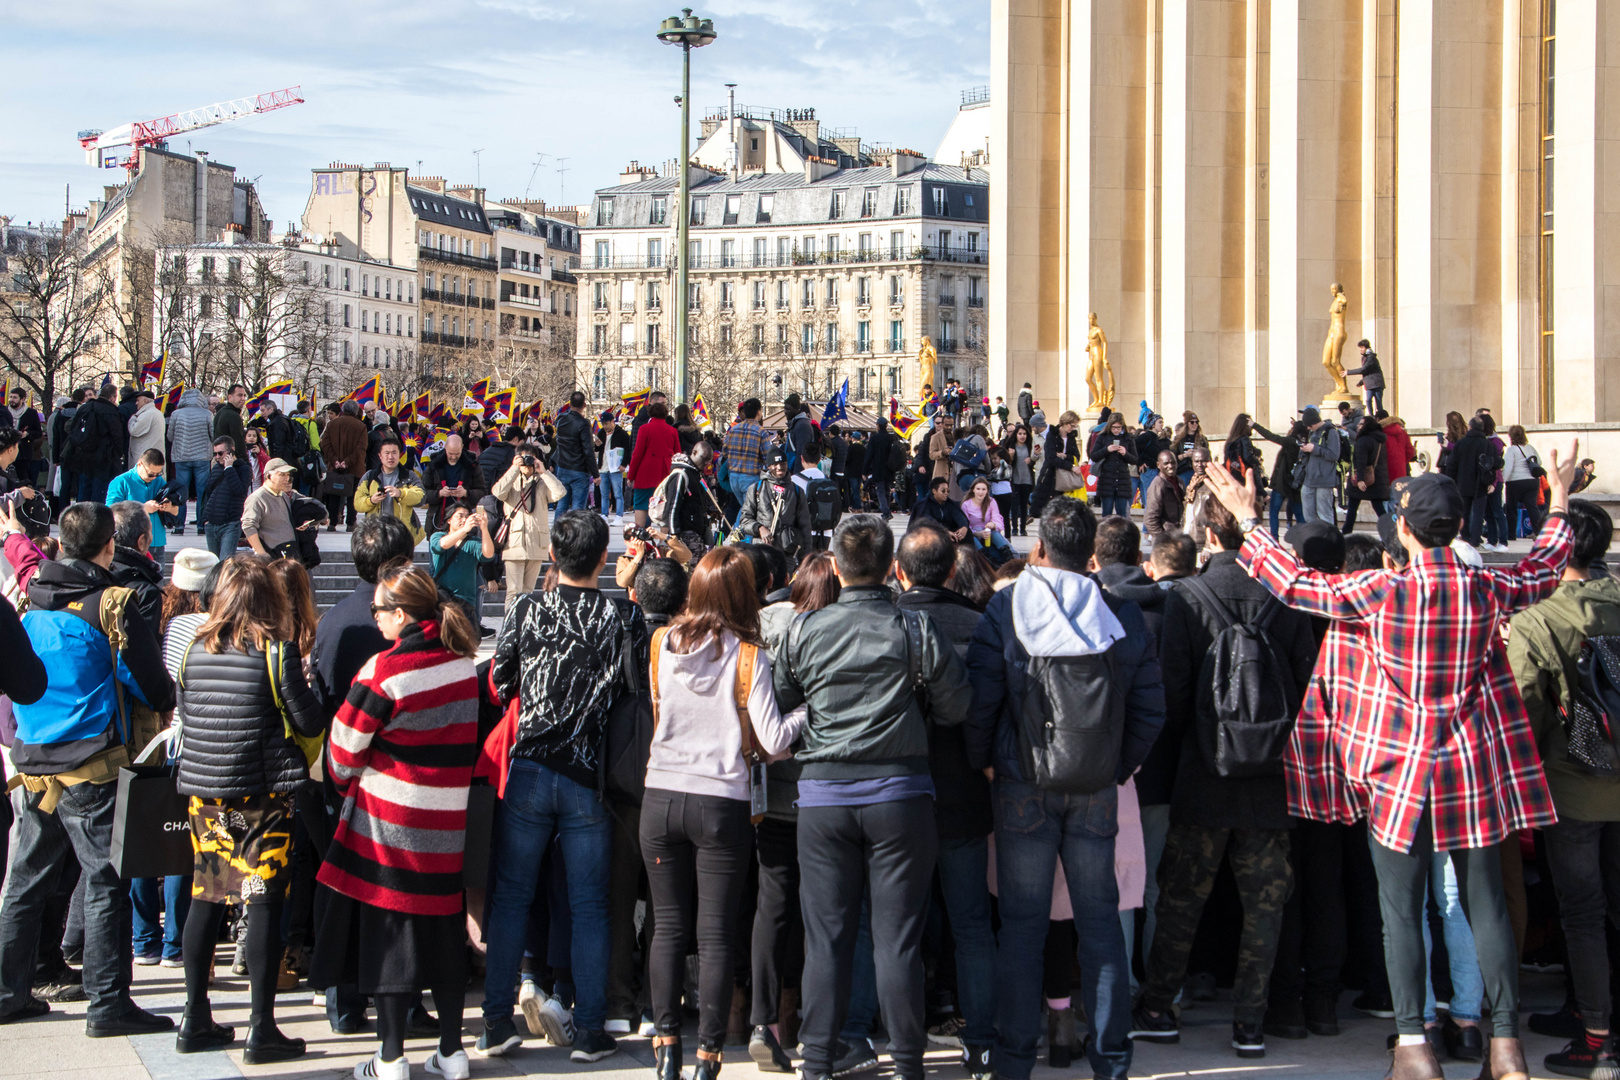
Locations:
(564, 275)
(487, 302)
(897, 300)
(947, 300)
(431, 294)
(527, 268)
(946, 346)
(600, 305)
(627, 305)
(437, 255)
(975, 301)
(431, 337)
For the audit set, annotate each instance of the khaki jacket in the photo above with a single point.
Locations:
(530, 534)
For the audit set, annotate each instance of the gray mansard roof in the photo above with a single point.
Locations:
(798, 201)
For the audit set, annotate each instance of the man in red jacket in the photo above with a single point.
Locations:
(1397, 446)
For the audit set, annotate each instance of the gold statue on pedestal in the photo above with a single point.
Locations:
(1099, 375)
(1333, 348)
(927, 365)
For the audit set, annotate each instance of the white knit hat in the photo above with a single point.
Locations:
(191, 566)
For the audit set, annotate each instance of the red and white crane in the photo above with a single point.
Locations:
(104, 149)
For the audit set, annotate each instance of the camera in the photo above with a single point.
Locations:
(527, 459)
(637, 532)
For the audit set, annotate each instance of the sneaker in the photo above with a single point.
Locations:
(1581, 1058)
(591, 1046)
(558, 1023)
(137, 1021)
(530, 998)
(1462, 1042)
(618, 1027)
(1248, 1040)
(63, 992)
(767, 1052)
(854, 1057)
(1286, 1020)
(948, 1033)
(976, 1060)
(454, 1067)
(1322, 1015)
(1563, 1024)
(149, 960)
(175, 962)
(1375, 1003)
(28, 1010)
(646, 1028)
(498, 1038)
(1159, 1029)
(375, 1068)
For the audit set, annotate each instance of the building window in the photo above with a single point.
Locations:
(808, 290)
(781, 339)
(652, 339)
(604, 211)
(694, 253)
(807, 339)
(410, 326)
(839, 199)
(728, 253)
(975, 293)
(700, 210)
(897, 292)
(733, 208)
(902, 201)
(784, 251)
(869, 202)
(725, 339)
(808, 246)
(427, 324)
(782, 299)
(759, 296)
(363, 321)
(347, 281)
(767, 202)
(365, 284)
(346, 321)
(727, 298)
(759, 250)
(863, 291)
(863, 245)
(942, 204)
(947, 334)
(604, 254)
(655, 295)
(863, 336)
(897, 336)
(831, 339)
(655, 253)
(947, 290)
(759, 341)
(599, 296)
(694, 296)
(897, 245)
(832, 247)
(832, 292)
(972, 241)
(660, 209)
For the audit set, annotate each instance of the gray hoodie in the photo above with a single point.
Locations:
(191, 429)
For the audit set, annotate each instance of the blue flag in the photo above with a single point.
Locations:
(837, 408)
(106, 380)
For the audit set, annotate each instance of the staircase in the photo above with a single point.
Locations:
(336, 578)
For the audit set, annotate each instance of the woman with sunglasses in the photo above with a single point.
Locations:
(1189, 436)
(401, 754)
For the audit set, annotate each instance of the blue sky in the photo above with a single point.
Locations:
(408, 81)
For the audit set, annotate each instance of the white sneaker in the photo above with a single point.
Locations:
(618, 1027)
(454, 1067)
(375, 1068)
(648, 1029)
(530, 998)
(176, 962)
(558, 1022)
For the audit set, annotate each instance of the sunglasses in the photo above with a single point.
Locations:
(378, 609)
(220, 453)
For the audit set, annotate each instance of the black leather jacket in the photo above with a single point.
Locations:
(576, 451)
(850, 663)
(235, 737)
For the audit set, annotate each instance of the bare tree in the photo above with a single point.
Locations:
(50, 310)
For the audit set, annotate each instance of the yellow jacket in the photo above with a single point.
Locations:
(368, 499)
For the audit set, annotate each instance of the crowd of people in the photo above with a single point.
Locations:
(808, 781)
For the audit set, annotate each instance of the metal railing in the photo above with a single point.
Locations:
(434, 254)
(871, 256)
(975, 301)
(627, 305)
(947, 300)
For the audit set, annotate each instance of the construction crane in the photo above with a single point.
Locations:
(105, 149)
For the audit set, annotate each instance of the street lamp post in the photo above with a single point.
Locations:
(689, 32)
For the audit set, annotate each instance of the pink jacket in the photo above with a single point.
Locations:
(991, 517)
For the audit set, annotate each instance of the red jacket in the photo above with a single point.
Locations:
(656, 443)
(1398, 448)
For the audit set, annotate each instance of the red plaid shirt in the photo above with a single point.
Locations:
(1412, 701)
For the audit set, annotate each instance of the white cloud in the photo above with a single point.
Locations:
(408, 81)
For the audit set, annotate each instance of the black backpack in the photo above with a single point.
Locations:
(82, 433)
(1072, 721)
(897, 454)
(297, 440)
(1245, 720)
(627, 733)
(825, 504)
(1593, 707)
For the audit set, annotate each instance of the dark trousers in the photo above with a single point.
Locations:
(1585, 861)
(1354, 497)
(1316, 856)
(1403, 893)
(337, 506)
(1525, 493)
(1192, 857)
(82, 823)
(627, 991)
(842, 849)
(696, 850)
(778, 941)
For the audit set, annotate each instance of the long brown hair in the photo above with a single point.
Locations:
(720, 597)
(301, 614)
(1456, 427)
(816, 584)
(177, 601)
(410, 588)
(248, 610)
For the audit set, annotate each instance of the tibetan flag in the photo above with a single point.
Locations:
(171, 398)
(634, 402)
(700, 413)
(501, 405)
(439, 416)
(471, 406)
(535, 411)
(280, 388)
(106, 381)
(422, 407)
(366, 392)
(406, 410)
(480, 391)
(905, 425)
(152, 371)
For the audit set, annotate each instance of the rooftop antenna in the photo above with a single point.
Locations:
(562, 177)
(478, 168)
(731, 128)
(539, 160)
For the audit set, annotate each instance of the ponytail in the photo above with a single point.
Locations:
(410, 587)
(456, 630)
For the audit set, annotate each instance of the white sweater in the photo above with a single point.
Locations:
(697, 747)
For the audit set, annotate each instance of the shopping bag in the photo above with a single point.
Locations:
(480, 834)
(151, 835)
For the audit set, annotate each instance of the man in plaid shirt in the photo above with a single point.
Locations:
(1425, 732)
(746, 443)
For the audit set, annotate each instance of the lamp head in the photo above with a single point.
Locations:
(686, 29)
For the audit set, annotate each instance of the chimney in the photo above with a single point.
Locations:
(850, 146)
(817, 167)
(906, 161)
(429, 183)
(635, 172)
(108, 191)
(200, 209)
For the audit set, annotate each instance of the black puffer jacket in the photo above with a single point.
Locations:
(1113, 469)
(1157, 774)
(235, 737)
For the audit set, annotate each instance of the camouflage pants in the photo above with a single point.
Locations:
(1192, 855)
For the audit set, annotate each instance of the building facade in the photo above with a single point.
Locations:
(798, 280)
(1201, 174)
(537, 301)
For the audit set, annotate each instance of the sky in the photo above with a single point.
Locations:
(529, 82)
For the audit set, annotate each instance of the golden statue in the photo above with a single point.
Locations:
(1333, 347)
(927, 365)
(1099, 375)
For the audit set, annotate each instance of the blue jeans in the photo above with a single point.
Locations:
(1033, 830)
(1296, 509)
(741, 483)
(93, 487)
(539, 802)
(1114, 507)
(192, 476)
(152, 930)
(223, 539)
(613, 492)
(964, 882)
(576, 497)
(1467, 985)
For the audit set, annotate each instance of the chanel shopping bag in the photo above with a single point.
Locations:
(151, 834)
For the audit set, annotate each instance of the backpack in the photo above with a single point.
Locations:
(1592, 708)
(1244, 722)
(1347, 448)
(968, 454)
(297, 440)
(1072, 721)
(897, 454)
(82, 432)
(825, 504)
(138, 724)
(627, 732)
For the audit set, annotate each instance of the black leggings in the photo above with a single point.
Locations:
(1020, 512)
(392, 1010)
(1525, 493)
(695, 847)
(778, 941)
(263, 948)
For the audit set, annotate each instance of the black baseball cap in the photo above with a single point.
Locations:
(1427, 500)
(1319, 546)
(775, 456)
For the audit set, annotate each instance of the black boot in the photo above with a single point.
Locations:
(266, 1044)
(667, 1057)
(708, 1063)
(1060, 1038)
(198, 1032)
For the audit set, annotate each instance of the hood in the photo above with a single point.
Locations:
(923, 597)
(1587, 603)
(128, 561)
(1130, 583)
(700, 670)
(64, 582)
(1058, 613)
(193, 399)
(1375, 436)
